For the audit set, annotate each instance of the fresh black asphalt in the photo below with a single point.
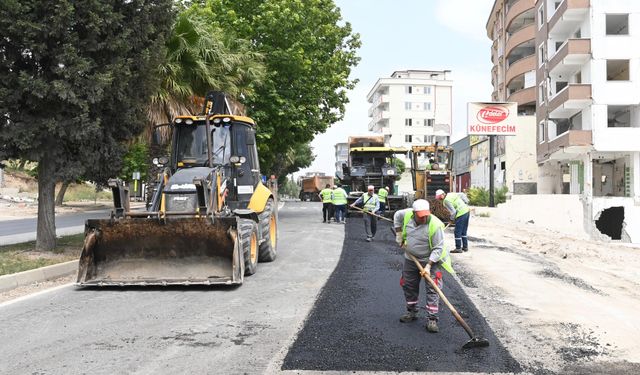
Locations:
(354, 324)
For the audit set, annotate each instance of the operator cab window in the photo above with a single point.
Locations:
(221, 144)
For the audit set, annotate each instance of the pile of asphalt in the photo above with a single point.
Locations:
(354, 324)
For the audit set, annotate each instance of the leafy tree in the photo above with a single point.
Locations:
(298, 157)
(135, 160)
(75, 79)
(309, 52)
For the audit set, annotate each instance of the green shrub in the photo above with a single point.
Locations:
(479, 196)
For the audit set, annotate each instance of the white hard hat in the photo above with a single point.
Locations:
(421, 207)
(370, 187)
(439, 192)
(386, 187)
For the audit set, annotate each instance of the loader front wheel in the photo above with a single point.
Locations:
(248, 233)
(269, 228)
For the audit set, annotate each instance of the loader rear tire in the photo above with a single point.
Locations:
(248, 234)
(269, 227)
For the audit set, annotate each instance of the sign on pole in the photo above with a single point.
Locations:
(497, 118)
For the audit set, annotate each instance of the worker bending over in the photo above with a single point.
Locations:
(422, 235)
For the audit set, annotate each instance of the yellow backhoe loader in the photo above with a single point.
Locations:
(210, 220)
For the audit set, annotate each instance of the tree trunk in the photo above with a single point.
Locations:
(46, 232)
(63, 190)
(61, 193)
(23, 162)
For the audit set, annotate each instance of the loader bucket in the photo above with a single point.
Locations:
(145, 251)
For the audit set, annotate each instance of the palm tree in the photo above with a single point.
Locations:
(201, 57)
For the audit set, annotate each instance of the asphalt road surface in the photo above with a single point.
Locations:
(329, 302)
(354, 325)
(177, 330)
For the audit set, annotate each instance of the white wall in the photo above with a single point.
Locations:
(550, 178)
(520, 155)
(558, 212)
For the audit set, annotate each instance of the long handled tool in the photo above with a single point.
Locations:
(372, 214)
(475, 342)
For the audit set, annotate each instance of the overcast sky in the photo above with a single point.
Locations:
(412, 34)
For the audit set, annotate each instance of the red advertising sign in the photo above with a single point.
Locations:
(492, 118)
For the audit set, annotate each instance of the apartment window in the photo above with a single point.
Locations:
(428, 122)
(541, 94)
(541, 132)
(427, 106)
(617, 70)
(408, 122)
(617, 24)
(540, 17)
(409, 89)
(407, 106)
(619, 116)
(427, 90)
(556, 4)
(407, 138)
(541, 57)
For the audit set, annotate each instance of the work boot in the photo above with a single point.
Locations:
(409, 316)
(368, 239)
(432, 326)
(465, 249)
(456, 251)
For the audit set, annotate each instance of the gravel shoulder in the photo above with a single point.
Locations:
(558, 303)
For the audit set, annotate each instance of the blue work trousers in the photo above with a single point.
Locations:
(460, 233)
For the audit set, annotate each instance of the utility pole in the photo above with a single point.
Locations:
(491, 169)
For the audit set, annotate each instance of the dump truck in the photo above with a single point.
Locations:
(311, 186)
(431, 169)
(210, 221)
(372, 163)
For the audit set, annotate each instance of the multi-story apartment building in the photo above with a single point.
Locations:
(511, 27)
(342, 157)
(588, 103)
(412, 107)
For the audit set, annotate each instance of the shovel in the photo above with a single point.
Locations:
(475, 342)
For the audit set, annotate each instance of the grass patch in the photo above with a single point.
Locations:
(84, 192)
(24, 257)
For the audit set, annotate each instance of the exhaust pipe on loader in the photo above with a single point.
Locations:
(148, 251)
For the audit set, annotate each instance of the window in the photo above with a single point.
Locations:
(540, 17)
(427, 90)
(408, 122)
(409, 89)
(407, 138)
(618, 116)
(407, 106)
(428, 122)
(541, 56)
(541, 94)
(617, 24)
(617, 70)
(541, 132)
(427, 106)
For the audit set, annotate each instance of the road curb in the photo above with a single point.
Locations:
(38, 275)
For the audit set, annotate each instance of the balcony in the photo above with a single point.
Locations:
(566, 146)
(520, 67)
(380, 99)
(524, 96)
(567, 18)
(571, 56)
(516, 11)
(571, 100)
(523, 35)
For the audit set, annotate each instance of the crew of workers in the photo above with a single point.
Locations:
(334, 204)
(418, 232)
